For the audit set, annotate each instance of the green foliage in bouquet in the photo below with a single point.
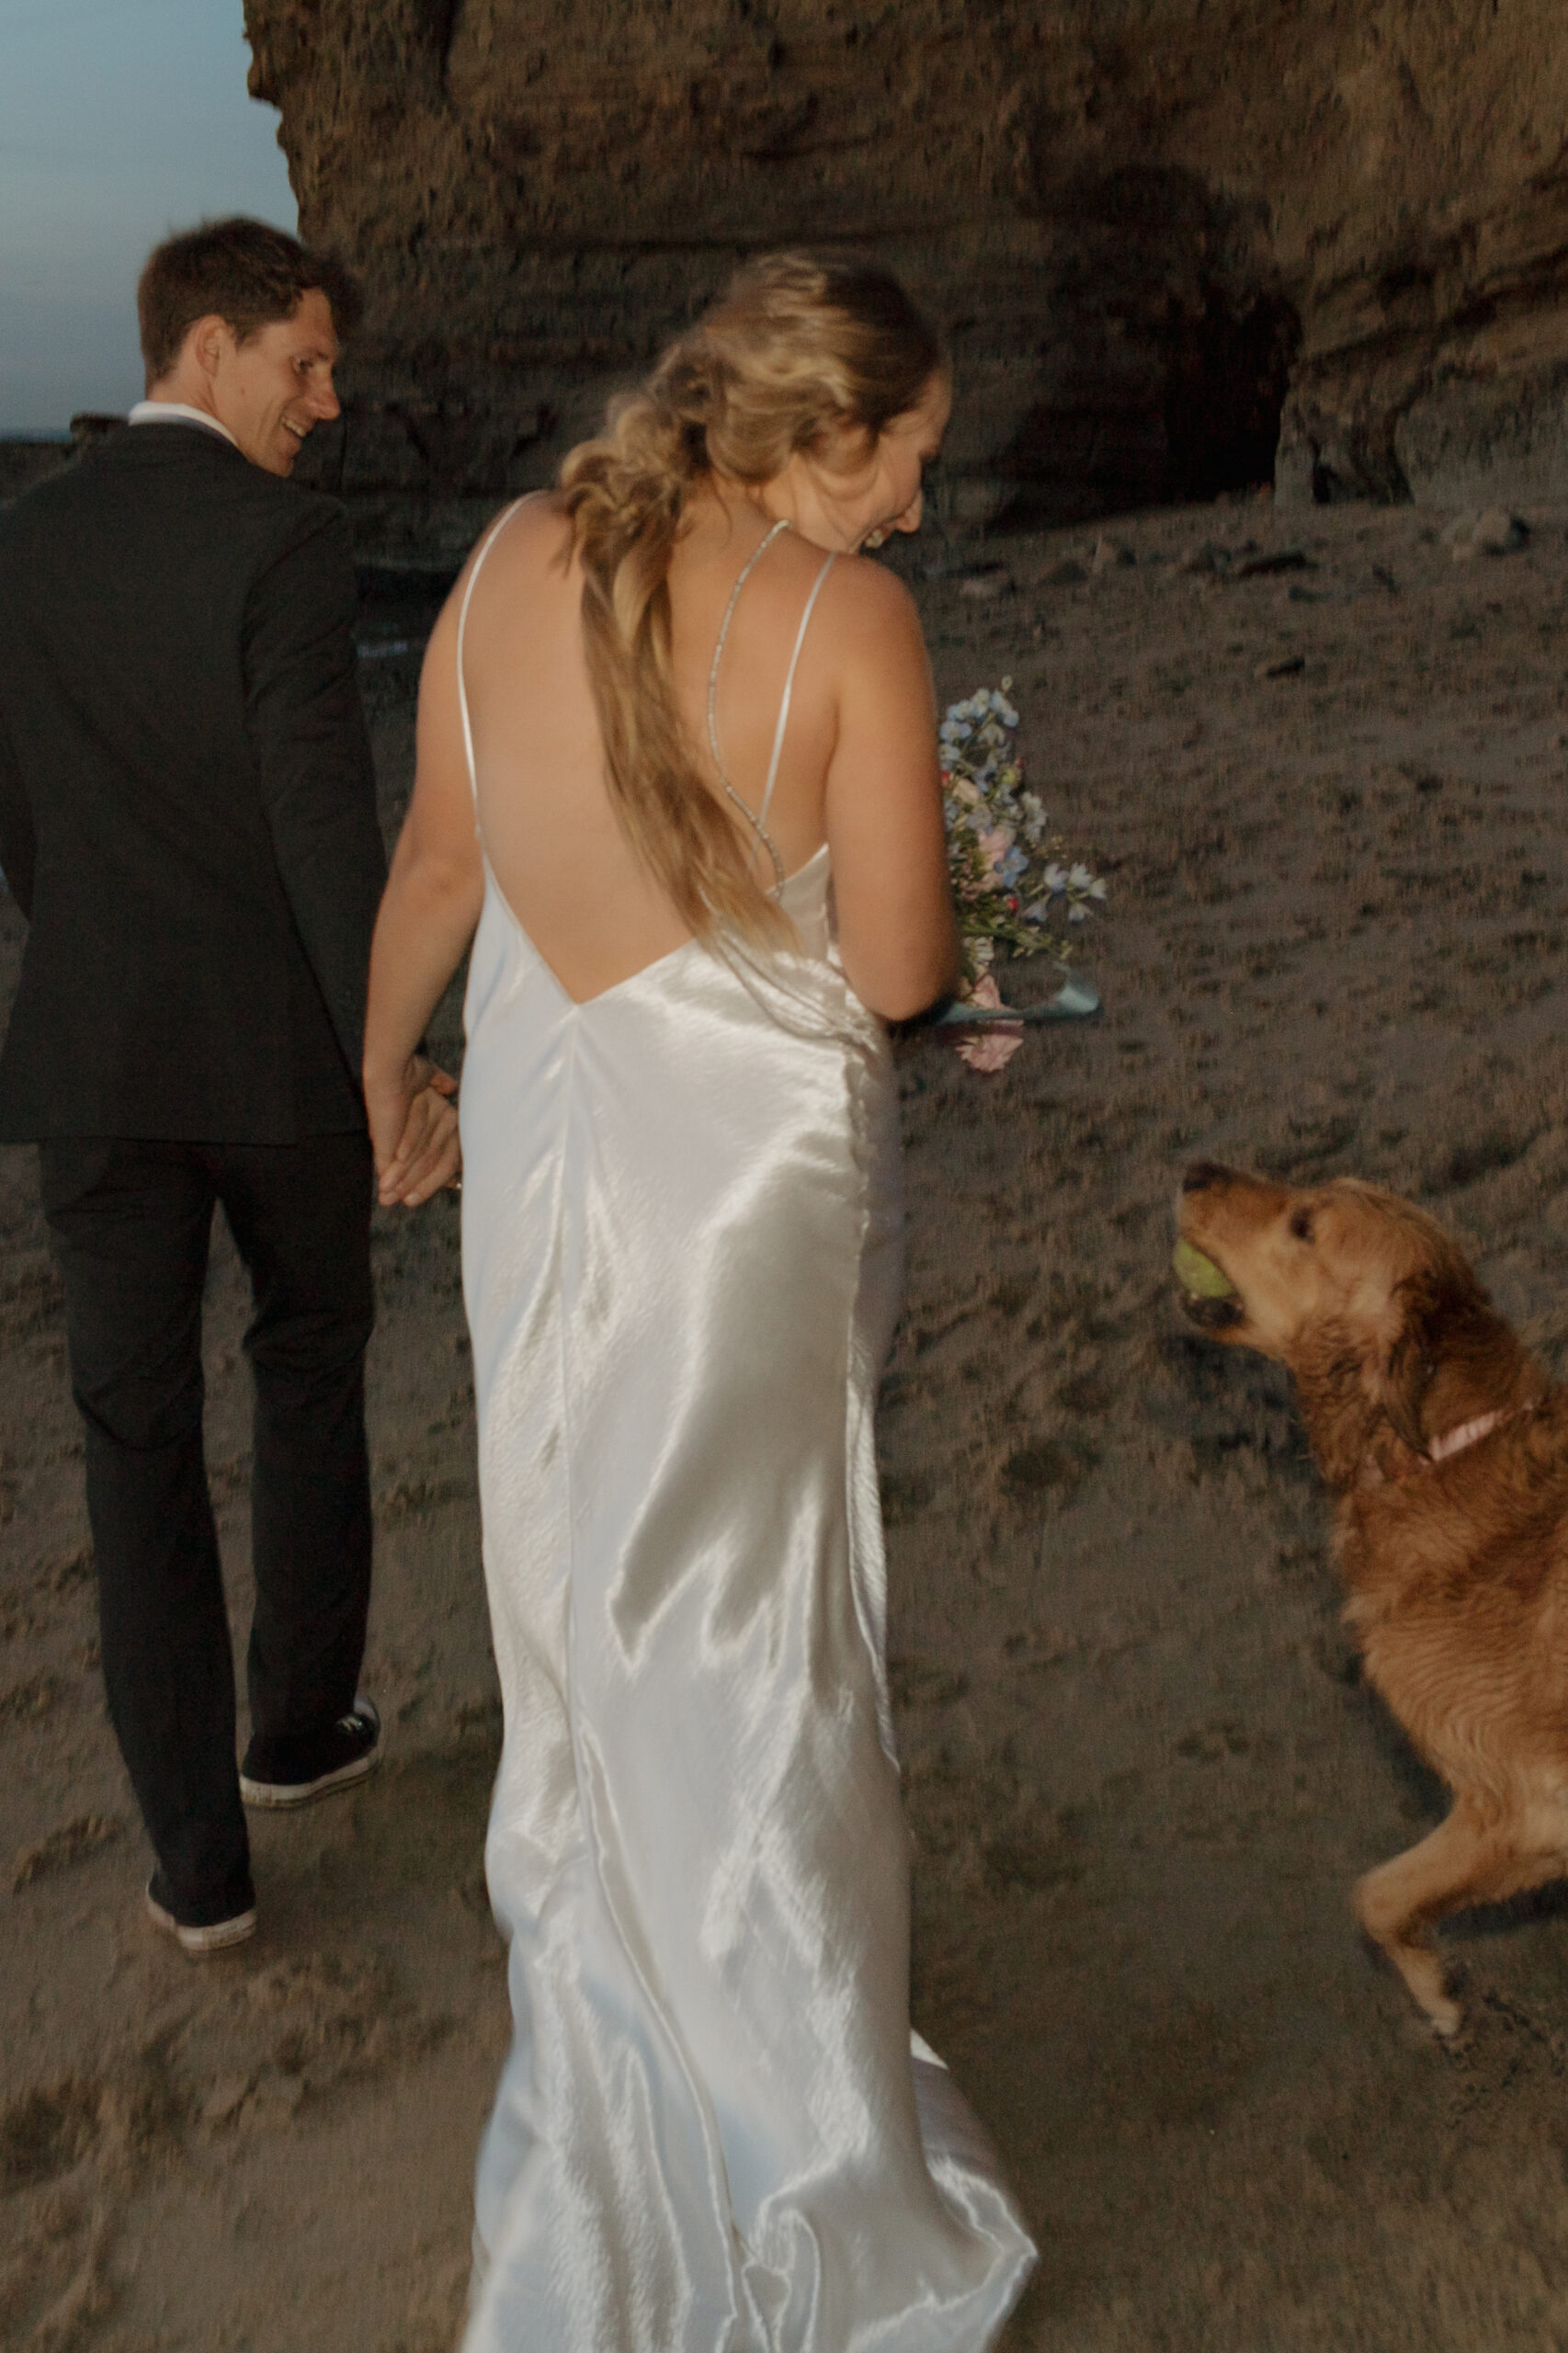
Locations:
(1016, 883)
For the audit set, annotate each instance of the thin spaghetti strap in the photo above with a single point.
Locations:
(495, 530)
(758, 823)
(747, 812)
(789, 690)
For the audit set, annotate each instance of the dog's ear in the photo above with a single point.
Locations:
(1404, 1377)
(1433, 1309)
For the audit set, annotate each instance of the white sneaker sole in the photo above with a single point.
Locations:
(202, 1943)
(278, 1794)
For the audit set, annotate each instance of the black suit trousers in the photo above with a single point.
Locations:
(131, 1223)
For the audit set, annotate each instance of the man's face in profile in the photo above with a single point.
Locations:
(276, 386)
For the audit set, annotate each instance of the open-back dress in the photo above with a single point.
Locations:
(682, 1264)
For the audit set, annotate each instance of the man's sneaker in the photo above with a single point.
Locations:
(301, 1770)
(200, 1941)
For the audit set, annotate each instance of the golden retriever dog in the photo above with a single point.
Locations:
(1446, 1449)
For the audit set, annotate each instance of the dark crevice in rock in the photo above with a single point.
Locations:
(440, 19)
(1225, 395)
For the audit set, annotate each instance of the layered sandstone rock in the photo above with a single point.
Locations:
(1150, 229)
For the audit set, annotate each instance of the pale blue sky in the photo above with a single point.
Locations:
(119, 121)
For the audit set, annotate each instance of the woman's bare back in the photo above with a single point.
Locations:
(857, 767)
(546, 819)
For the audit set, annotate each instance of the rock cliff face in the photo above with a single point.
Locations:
(1163, 235)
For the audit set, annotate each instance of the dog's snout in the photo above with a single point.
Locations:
(1199, 1174)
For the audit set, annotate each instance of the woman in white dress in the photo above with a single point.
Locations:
(677, 765)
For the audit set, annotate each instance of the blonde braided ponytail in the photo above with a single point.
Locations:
(796, 355)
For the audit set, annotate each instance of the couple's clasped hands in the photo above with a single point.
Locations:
(414, 1133)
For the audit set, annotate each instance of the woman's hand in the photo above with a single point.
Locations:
(433, 898)
(413, 1132)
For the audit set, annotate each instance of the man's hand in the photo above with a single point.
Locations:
(414, 1133)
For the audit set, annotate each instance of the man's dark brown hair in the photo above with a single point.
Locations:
(238, 270)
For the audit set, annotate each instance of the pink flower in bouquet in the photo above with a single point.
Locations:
(993, 845)
(994, 1047)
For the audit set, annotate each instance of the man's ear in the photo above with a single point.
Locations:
(207, 341)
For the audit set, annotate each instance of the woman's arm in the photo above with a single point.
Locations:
(897, 935)
(428, 917)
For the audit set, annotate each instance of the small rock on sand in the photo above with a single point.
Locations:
(990, 580)
(1248, 561)
(1271, 560)
(1493, 533)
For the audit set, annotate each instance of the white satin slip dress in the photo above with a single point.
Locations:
(682, 1237)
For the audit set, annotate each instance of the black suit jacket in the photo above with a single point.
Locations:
(187, 804)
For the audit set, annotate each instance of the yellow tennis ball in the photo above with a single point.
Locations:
(1198, 1275)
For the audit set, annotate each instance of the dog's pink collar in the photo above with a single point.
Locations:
(1444, 1448)
(1471, 1433)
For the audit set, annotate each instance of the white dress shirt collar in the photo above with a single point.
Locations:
(177, 413)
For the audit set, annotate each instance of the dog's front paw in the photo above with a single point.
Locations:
(1448, 2025)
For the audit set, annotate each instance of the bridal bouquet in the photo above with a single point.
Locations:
(1014, 882)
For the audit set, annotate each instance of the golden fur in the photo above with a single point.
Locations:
(1457, 1565)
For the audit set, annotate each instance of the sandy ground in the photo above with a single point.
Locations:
(1140, 1767)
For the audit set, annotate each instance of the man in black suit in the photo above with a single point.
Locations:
(187, 821)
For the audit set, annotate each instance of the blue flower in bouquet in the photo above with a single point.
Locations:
(1016, 886)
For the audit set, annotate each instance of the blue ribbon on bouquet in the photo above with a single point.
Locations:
(1073, 1001)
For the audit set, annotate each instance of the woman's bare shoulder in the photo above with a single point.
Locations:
(527, 546)
(523, 548)
(860, 589)
(868, 613)
(532, 534)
